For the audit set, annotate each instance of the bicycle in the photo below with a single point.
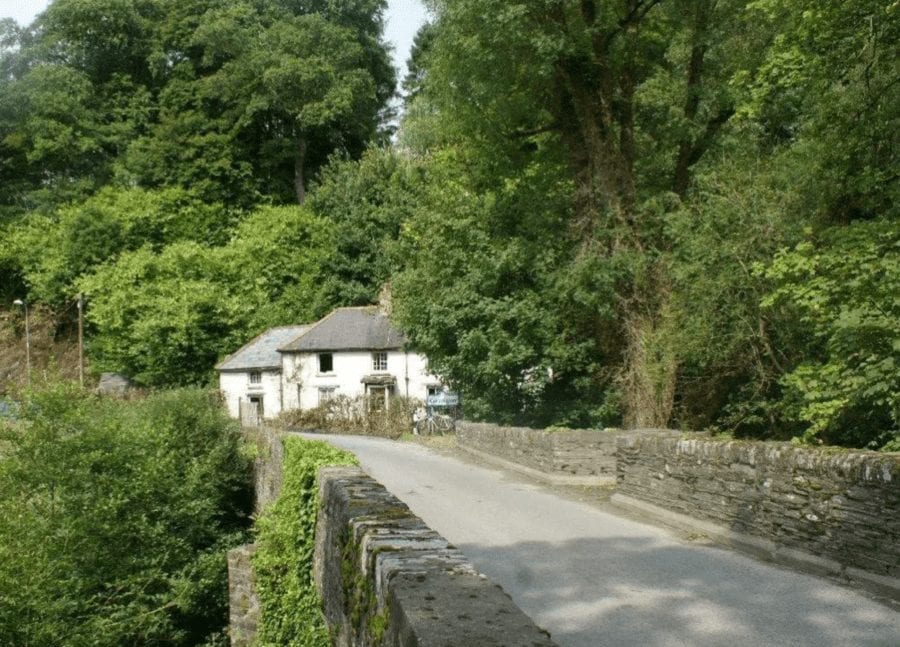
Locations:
(435, 425)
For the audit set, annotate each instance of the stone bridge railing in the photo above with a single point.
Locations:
(563, 457)
(385, 578)
(828, 511)
(388, 579)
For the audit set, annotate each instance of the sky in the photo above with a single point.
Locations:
(404, 17)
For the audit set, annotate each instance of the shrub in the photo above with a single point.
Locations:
(347, 415)
(115, 519)
(291, 612)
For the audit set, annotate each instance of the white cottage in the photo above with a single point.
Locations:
(353, 352)
(252, 374)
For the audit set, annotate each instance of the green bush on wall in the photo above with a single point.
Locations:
(290, 609)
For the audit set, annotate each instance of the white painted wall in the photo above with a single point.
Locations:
(302, 378)
(236, 387)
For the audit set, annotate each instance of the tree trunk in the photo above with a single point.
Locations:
(691, 148)
(299, 177)
(682, 178)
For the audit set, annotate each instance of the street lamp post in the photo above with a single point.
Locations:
(24, 304)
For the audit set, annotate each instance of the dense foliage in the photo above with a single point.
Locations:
(290, 610)
(151, 165)
(115, 518)
(659, 212)
(639, 212)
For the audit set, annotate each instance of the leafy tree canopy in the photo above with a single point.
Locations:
(115, 518)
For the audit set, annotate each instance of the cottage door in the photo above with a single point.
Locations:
(379, 397)
(256, 403)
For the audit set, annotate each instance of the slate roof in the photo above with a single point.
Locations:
(262, 352)
(364, 328)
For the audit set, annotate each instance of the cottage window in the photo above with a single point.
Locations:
(326, 363)
(326, 393)
(255, 377)
(379, 361)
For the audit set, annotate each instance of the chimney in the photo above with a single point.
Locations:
(385, 299)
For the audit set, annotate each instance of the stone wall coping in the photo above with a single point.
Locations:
(857, 464)
(386, 578)
(554, 431)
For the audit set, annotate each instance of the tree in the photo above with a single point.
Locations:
(116, 518)
(165, 317)
(490, 298)
(298, 86)
(56, 249)
(830, 86)
(842, 286)
(161, 318)
(233, 100)
(367, 203)
(416, 64)
(274, 266)
(623, 100)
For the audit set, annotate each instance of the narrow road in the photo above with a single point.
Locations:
(594, 579)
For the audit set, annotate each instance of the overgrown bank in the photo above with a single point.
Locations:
(115, 519)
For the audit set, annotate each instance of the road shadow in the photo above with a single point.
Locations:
(620, 591)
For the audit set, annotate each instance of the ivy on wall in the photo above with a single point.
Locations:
(290, 607)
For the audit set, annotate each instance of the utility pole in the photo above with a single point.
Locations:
(81, 339)
(24, 304)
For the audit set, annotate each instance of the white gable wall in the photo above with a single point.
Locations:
(236, 387)
(302, 379)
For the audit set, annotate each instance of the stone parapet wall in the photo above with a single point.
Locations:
(830, 511)
(575, 456)
(243, 603)
(387, 579)
(268, 464)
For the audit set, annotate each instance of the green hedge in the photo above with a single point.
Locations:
(291, 612)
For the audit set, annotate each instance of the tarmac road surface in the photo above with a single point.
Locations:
(594, 579)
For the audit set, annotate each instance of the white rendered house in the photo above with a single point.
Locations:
(250, 378)
(353, 352)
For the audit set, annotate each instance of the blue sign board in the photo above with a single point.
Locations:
(442, 400)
